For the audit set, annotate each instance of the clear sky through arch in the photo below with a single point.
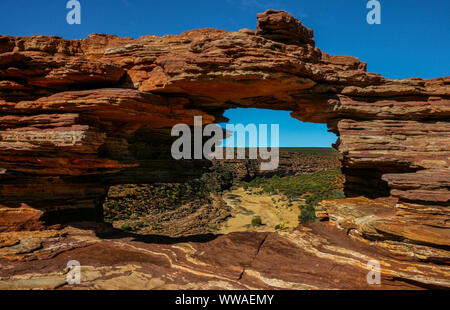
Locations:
(292, 132)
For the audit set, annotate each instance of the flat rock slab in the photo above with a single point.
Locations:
(317, 256)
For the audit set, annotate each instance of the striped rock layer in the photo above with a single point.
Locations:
(77, 116)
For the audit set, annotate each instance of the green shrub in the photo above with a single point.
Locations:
(308, 214)
(138, 225)
(257, 221)
(125, 226)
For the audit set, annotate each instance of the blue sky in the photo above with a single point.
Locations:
(292, 132)
(412, 40)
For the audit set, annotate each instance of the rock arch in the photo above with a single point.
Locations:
(77, 116)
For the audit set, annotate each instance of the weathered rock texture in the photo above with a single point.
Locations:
(317, 256)
(289, 163)
(77, 116)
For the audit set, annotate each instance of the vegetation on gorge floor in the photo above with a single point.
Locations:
(197, 206)
(313, 188)
(135, 206)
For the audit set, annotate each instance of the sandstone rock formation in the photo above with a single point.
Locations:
(317, 256)
(77, 116)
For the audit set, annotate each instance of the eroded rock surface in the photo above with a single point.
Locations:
(77, 116)
(318, 256)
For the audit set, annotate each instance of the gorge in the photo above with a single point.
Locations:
(79, 116)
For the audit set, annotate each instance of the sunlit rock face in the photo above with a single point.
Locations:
(77, 116)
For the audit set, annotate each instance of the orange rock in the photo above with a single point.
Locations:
(80, 115)
(22, 218)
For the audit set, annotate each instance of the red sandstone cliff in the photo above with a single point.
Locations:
(77, 116)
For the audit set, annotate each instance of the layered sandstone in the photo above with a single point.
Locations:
(317, 256)
(77, 116)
